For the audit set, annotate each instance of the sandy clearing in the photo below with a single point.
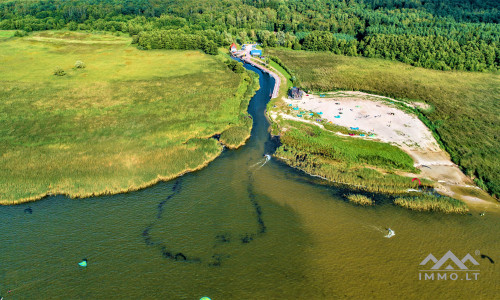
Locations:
(376, 115)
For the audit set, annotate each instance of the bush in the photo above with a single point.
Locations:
(20, 33)
(135, 39)
(79, 64)
(59, 72)
(235, 66)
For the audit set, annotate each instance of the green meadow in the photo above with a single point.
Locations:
(125, 121)
(465, 112)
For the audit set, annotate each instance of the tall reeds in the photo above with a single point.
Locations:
(129, 119)
(367, 165)
(432, 203)
(359, 199)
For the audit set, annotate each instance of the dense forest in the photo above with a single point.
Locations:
(437, 34)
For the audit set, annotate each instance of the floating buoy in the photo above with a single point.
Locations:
(205, 298)
(83, 263)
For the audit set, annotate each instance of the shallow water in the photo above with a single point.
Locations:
(238, 229)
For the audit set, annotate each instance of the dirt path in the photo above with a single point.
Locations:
(384, 122)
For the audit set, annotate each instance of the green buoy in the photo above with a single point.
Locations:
(83, 263)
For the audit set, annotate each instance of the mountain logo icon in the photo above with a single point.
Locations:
(449, 256)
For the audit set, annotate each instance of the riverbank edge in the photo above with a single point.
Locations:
(252, 87)
(276, 130)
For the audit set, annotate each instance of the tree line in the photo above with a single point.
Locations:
(438, 34)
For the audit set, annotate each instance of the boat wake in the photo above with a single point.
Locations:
(261, 162)
(388, 232)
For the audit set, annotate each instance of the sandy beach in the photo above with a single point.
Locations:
(378, 118)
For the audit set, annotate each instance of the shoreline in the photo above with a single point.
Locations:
(158, 179)
(413, 137)
(252, 87)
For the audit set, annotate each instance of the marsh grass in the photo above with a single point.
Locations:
(363, 164)
(128, 120)
(465, 105)
(359, 199)
(432, 203)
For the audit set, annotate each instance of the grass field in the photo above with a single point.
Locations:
(129, 119)
(466, 106)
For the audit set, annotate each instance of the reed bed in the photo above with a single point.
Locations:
(127, 120)
(432, 203)
(360, 199)
(366, 165)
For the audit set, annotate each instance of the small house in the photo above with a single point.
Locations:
(295, 93)
(233, 48)
(256, 52)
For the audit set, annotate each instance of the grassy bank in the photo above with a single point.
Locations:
(126, 120)
(432, 203)
(364, 164)
(466, 105)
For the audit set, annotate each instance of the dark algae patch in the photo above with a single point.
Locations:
(219, 239)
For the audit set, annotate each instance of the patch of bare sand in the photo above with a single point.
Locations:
(379, 116)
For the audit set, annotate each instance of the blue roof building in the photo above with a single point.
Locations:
(256, 52)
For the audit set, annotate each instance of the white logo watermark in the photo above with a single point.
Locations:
(449, 267)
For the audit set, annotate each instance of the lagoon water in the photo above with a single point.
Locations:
(239, 229)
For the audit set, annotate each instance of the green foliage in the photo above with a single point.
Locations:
(432, 203)
(170, 39)
(20, 33)
(465, 114)
(235, 66)
(457, 34)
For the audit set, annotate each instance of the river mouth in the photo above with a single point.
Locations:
(244, 227)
